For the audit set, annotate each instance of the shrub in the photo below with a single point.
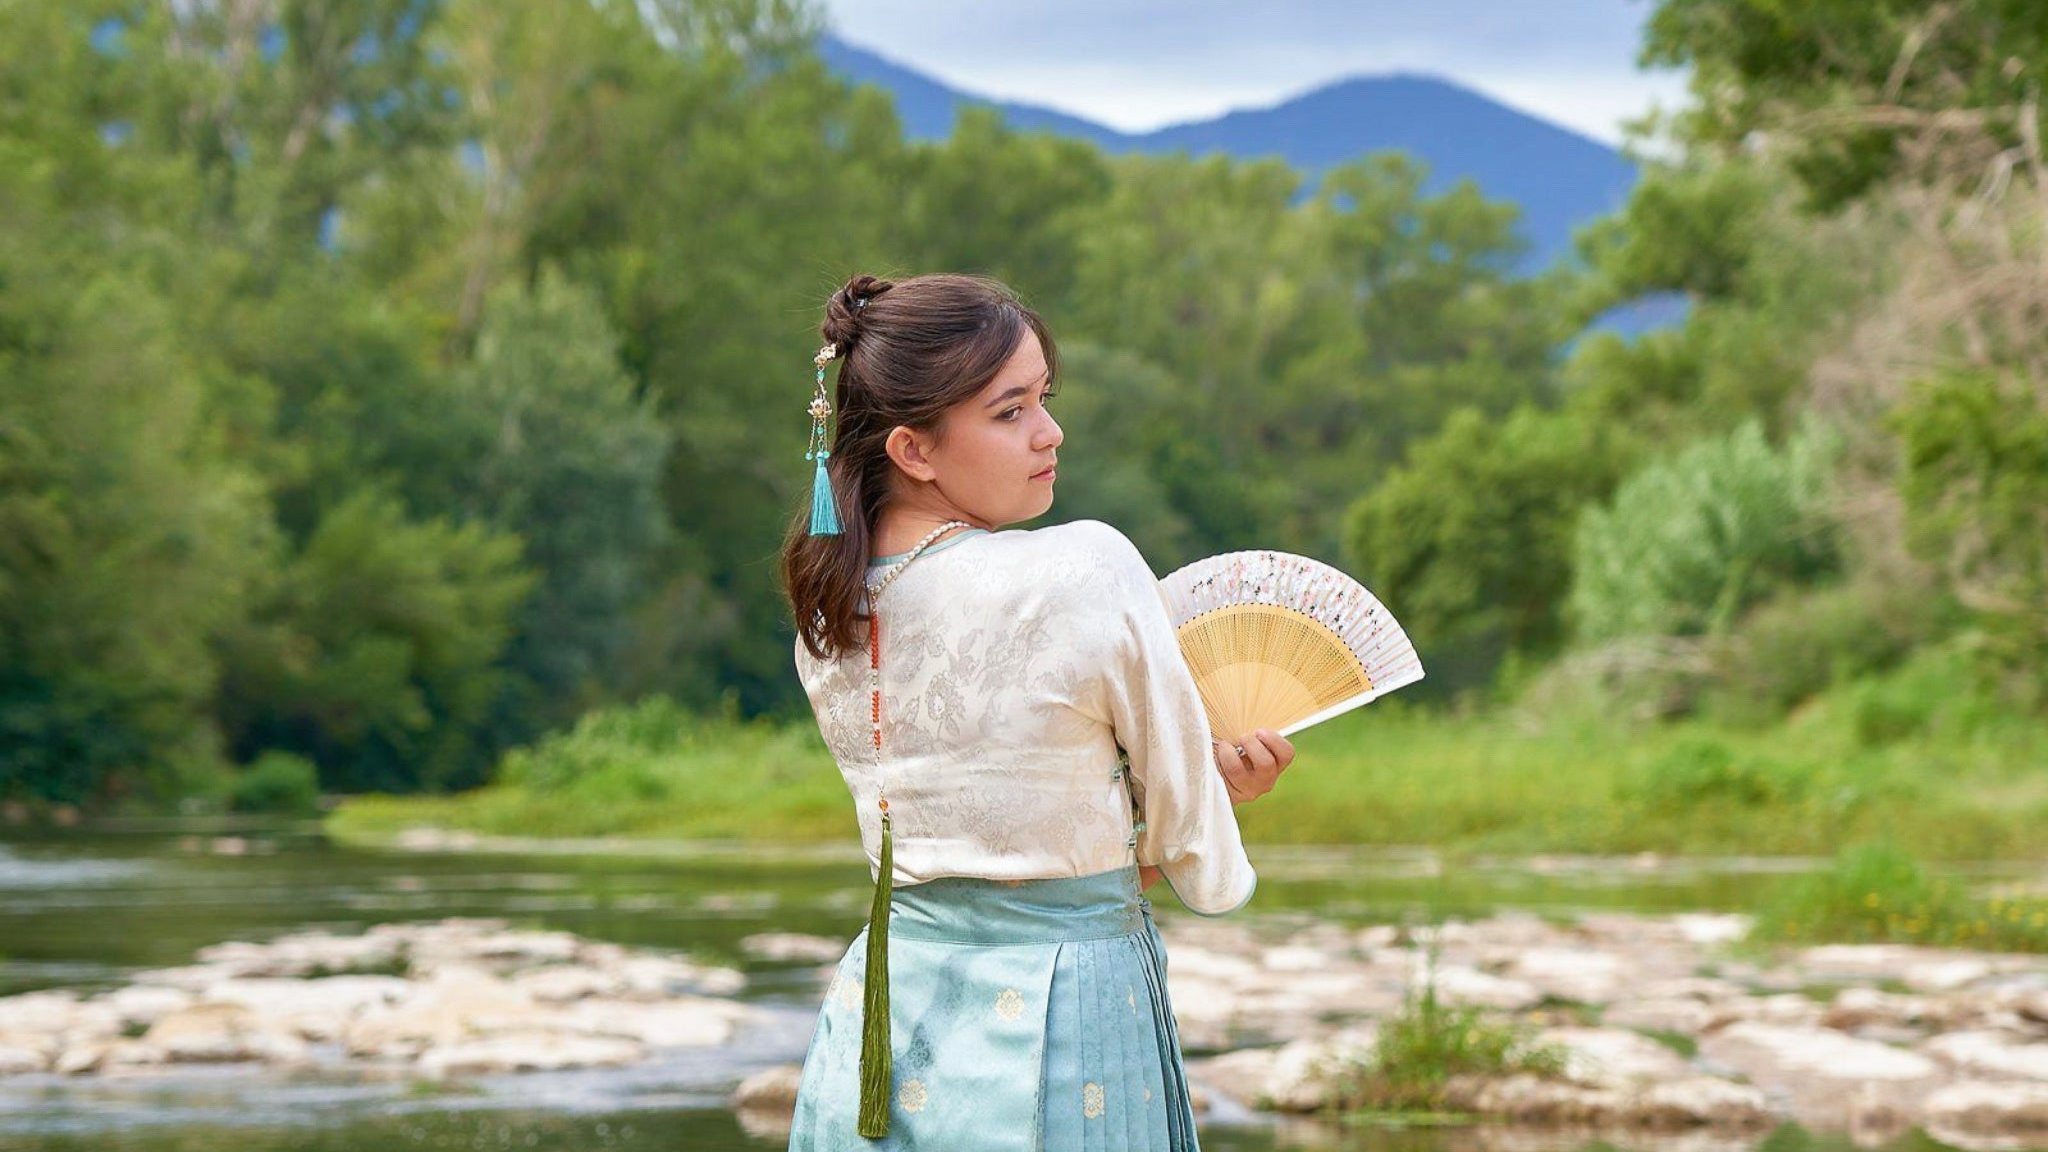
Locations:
(1796, 645)
(1701, 770)
(1426, 1043)
(1686, 544)
(620, 745)
(276, 781)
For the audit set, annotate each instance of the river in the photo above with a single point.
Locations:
(85, 907)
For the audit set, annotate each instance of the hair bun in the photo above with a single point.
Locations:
(843, 312)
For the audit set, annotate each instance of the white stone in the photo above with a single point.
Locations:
(693, 1022)
(145, 1004)
(1667, 1014)
(210, 1032)
(1859, 961)
(1813, 1051)
(1305, 1073)
(659, 976)
(769, 1090)
(47, 1011)
(1944, 975)
(314, 1009)
(563, 983)
(17, 1057)
(1295, 958)
(2029, 1003)
(1703, 1100)
(1788, 1009)
(1239, 1075)
(1374, 937)
(1709, 928)
(1301, 1076)
(1612, 1057)
(519, 1052)
(1826, 1078)
(1961, 1112)
(1457, 984)
(444, 1010)
(783, 947)
(1200, 962)
(1571, 973)
(1990, 1054)
(532, 947)
(1694, 1101)
(106, 1056)
(1705, 989)
(301, 954)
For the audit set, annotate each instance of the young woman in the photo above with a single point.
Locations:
(1026, 750)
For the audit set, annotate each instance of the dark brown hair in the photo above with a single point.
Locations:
(914, 350)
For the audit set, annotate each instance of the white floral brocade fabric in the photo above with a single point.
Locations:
(1014, 665)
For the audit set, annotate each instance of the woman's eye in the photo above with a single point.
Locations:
(1011, 413)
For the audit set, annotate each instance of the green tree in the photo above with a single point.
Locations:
(1469, 541)
(377, 651)
(1976, 487)
(128, 537)
(1689, 542)
(1842, 87)
(556, 447)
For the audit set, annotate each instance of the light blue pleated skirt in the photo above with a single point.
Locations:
(1025, 1016)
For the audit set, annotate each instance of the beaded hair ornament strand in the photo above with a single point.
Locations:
(875, 1055)
(824, 509)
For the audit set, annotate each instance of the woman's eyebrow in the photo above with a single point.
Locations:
(1019, 390)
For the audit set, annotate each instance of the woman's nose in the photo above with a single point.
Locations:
(1053, 440)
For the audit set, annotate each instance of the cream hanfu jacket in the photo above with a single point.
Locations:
(1014, 664)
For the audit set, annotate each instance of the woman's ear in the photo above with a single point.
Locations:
(907, 448)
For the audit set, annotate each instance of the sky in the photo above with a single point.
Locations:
(1136, 65)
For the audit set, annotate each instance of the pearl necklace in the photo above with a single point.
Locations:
(875, 647)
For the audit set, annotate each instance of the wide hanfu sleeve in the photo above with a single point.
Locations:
(1190, 829)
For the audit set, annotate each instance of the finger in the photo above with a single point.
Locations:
(1232, 767)
(1281, 747)
(1262, 760)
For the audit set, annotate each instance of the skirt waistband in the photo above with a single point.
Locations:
(978, 910)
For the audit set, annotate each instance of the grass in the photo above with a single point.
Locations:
(652, 770)
(1943, 777)
(1678, 1042)
(1877, 892)
(1426, 1043)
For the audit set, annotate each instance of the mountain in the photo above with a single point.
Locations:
(1559, 178)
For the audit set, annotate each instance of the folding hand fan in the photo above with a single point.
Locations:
(1282, 641)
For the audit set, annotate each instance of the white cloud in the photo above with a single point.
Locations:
(1142, 64)
(1594, 105)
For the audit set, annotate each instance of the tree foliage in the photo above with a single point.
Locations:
(386, 384)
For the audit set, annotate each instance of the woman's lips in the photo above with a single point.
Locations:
(1048, 474)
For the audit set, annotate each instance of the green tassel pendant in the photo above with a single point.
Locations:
(874, 1032)
(824, 510)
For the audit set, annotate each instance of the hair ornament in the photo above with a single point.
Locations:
(824, 508)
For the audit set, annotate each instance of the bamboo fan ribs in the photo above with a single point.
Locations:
(1282, 641)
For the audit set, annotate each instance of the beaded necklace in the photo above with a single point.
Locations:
(875, 1063)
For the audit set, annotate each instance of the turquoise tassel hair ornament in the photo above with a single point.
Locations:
(824, 508)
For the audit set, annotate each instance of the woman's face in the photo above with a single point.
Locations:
(991, 466)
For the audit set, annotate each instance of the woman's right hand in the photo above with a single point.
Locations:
(1252, 775)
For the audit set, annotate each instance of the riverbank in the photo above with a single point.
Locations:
(1662, 1029)
(1953, 779)
(1660, 1025)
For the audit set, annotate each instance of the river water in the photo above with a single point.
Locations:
(85, 907)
